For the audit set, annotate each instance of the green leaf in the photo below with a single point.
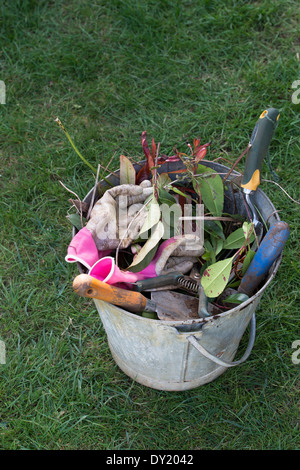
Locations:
(212, 228)
(176, 190)
(169, 229)
(217, 244)
(202, 169)
(248, 258)
(127, 171)
(204, 267)
(75, 220)
(236, 239)
(163, 180)
(216, 276)
(247, 227)
(209, 254)
(148, 199)
(234, 283)
(166, 198)
(212, 191)
(206, 256)
(237, 298)
(208, 245)
(170, 216)
(147, 253)
(153, 216)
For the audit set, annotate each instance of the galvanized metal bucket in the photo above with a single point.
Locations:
(175, 356)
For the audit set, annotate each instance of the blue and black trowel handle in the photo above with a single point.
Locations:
(268, 251)
(259, 145)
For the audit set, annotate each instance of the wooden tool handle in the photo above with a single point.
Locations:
(88, 286)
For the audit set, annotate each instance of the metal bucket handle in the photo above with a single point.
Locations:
(192, 339)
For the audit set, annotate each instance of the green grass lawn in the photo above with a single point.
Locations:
(110, 70)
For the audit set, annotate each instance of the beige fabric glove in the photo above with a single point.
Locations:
(113, 212)
(180, 255)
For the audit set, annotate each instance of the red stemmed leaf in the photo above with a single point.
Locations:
(153, 149)
(146, 150)
(201, 152)
(144, 172)
(196, 143)
(173, 158)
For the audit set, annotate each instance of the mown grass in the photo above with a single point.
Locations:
(110, 70)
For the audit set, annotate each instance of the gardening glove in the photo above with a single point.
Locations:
(172, 255)
(178, 254)
(82, 249)
(182, 264)
(120, 203)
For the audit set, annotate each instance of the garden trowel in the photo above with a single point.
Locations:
(268, 251)
(259, 145)
(170, 280)
(167, 305)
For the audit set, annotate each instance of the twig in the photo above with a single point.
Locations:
(236, 162)
(126, 231)
(70, 191)
(74, 146)
(225, 219)
(274, 212)
(107, 166)
(93, 195)
(270, 181)
(80, 211)
(155, 172)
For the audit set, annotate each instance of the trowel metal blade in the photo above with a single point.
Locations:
(175, 306)
(259, 230)
(258, 226)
